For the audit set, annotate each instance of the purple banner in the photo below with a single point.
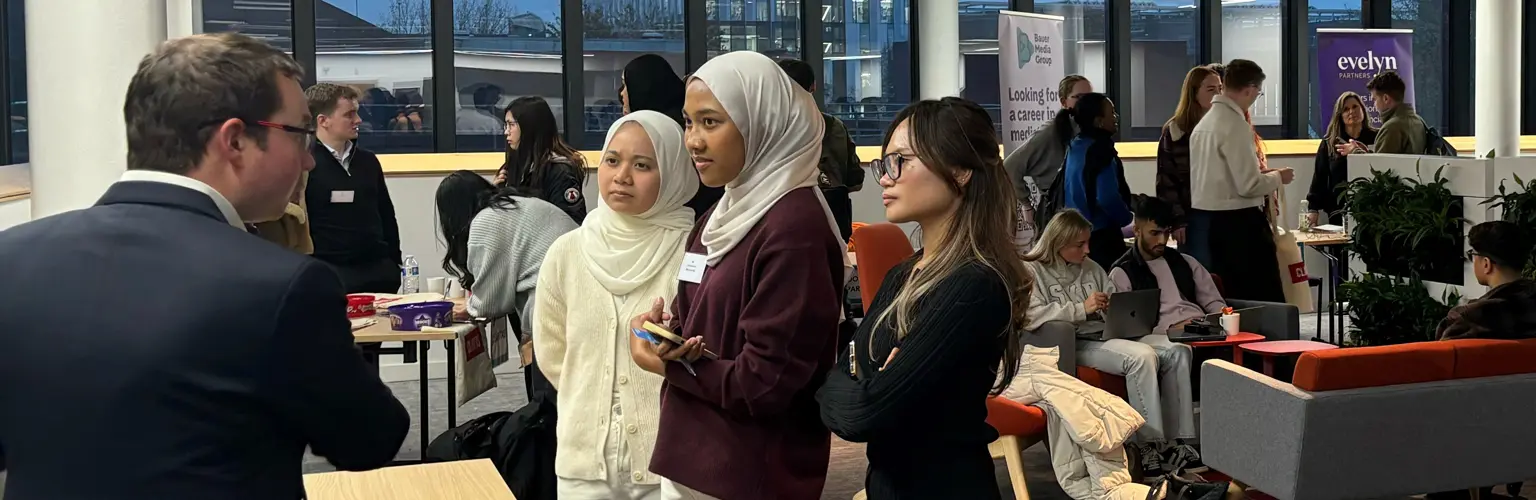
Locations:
(1347, 59)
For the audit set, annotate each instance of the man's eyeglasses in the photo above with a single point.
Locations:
(1471, 254)
(304, 135)
(888, 166)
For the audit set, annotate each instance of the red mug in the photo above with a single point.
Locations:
(360, 306)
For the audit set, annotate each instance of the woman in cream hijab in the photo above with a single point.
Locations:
(759, 296)
(593, 280)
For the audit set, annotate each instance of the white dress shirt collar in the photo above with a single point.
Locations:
(230, 215)
(344, 157)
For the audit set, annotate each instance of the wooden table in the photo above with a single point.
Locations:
(380, 331)
(463, 480)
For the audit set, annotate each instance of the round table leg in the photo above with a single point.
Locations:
(1269, 366)
(1237, 355)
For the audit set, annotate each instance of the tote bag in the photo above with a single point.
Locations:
(1293, 272)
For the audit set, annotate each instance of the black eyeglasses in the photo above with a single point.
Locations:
(1473, 253)
(888, 166)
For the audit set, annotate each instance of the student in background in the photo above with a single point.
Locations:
(650, 84)
(1228, 189)
(207, 360)
(914, 381)
(495, 241)
(1039, 160)
(1402, 131)
(1349, 131)
(841, 173)
(538, 161)
(765, 296)
(628, 251)
(1201, 84)
(351, 216)
(1069, 286)
(1500, 251)
(1095, 177)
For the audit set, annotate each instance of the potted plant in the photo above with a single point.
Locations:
(1407, 227)
(1519, 207)
(1385, 310)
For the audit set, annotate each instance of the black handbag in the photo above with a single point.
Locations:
(1184, 489)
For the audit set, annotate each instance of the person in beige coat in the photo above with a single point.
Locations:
(291, 231)
(625, 254)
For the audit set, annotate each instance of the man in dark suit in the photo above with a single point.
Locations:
(152, 347)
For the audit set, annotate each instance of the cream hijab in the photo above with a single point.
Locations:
(625, 252)
(782, 129)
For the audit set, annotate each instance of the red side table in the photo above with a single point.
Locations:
(1233, 341)
(1273, 349)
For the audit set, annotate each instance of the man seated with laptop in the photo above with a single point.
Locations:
(1115, 335)
(1185, 289)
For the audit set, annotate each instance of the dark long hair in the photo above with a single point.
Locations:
(461, 196)
(954, 135)
(540, 141)
(653, 86)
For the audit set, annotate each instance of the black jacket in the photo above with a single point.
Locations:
(1331, 170)
(560, 184)
(180, 357)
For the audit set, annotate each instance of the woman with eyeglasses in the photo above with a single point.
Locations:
(939, 337)
(539, 161)
(759, 297)
(1094, 178)
(649, 84)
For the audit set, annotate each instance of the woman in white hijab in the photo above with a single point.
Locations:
(759, 300)
(593, 280)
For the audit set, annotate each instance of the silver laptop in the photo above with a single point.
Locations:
(1129, 315)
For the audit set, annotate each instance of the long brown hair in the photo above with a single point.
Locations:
(1189, 112)
(952, 135)
(1336, 123)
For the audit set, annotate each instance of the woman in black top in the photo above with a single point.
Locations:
(1349, 131)
(539, 161)
(939, 336)
(649, 84)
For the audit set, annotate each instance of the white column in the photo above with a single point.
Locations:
(938, 48)
(80, 56)
(1497, 98)
(183, 18)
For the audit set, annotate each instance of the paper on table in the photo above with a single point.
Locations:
(1329, 228)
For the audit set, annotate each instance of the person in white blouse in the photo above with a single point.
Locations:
(626, 253)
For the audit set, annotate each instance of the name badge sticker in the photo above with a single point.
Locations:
(693, 268)
(343, 196)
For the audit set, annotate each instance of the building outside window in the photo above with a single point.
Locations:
(1251, 30)
(867, 69)
(616, 32)
(771, 27)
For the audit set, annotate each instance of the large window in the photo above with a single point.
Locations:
(13, 68)
(867, 67)
(979, 77)
(1324, 14)
(1427, 19)
(616, 32)
(383, 48)
(771, 27)
(1083, 31)
(1163, 49)
(1251, 30)
(504, 50)
(269, 21)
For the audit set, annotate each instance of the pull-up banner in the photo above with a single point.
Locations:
(1347, 59)
(1030, 53)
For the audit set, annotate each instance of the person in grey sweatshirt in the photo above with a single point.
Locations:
(1037, 162)
(1073, 288)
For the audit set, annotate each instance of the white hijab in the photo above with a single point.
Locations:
(626, 251)
(782, 129)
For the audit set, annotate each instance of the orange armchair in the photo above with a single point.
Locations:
(878, 248)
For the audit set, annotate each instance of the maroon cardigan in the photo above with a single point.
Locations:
(748, 426)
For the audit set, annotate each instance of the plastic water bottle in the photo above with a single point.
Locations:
(1305, 224)
(410, 276)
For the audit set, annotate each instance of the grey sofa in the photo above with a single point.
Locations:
(1372, 442)
(1272, 320)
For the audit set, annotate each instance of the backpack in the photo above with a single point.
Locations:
(1435, 145)
(1052, 200)
(521, 444)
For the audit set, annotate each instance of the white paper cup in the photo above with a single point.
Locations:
(437, 285)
